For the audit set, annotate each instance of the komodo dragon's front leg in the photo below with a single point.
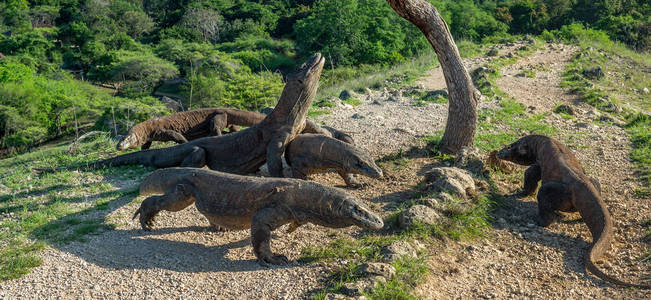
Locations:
(275, 150)
(177, 198)
(552, 197)
(531, 178)
(263, 223)
(217, 124)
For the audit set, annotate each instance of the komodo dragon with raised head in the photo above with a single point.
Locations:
(314, 153)
(244, 151)
(565, 187)
(190, 125)
(263, 204)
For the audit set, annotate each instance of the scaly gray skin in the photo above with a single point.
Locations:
(314, 153)
(186, 126)
(244, 151)
(263, 204)
(565, 187)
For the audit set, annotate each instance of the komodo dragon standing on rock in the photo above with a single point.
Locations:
(565, 187)
(313, 153)
(244, 151)
(190, 125)
(262, 204)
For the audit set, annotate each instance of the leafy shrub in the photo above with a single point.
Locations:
(627, 30)
(120, 115)
(225, 81)
(353, 32)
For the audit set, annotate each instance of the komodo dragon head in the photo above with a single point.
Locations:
(521, 152)
(129, 141)
(351, 211)
(335, 208)
(361, 163)
(298, 93)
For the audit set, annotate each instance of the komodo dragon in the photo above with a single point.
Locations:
(565, 187)
(313, 153)
(190, 125)
(186, 126)
(262, 204)
(244, 151)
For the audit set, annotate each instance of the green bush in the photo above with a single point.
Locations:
(353, 32)
(627, 30)
(226, 81)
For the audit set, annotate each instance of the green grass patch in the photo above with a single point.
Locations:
(53, 207)
(315, 112)
(527, 73)
(353, 101)
(623, 74)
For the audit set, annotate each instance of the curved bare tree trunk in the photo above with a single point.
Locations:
(462, 112)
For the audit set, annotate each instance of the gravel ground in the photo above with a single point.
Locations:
(183, 258)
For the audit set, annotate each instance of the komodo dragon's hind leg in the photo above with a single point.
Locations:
(176, 199)
(218, 123)
(264, 221)
(553, 196)
(531, 177)
(196, 158)
(171, 135)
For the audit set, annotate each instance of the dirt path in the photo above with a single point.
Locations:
(182, 257)
(522, 260)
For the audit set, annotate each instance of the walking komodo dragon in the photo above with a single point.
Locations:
(244, 151)
(565, 187)
(190, 125)
(263, 204)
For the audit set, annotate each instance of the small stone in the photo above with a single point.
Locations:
(377, 102)
(493, 52)
(357, 116)
(367, 91)
(645, 90)
(564, 108)
(331, 296)
(346, 94)
(418, 214)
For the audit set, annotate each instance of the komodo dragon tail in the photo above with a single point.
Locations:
(136, 158)
(599, 222)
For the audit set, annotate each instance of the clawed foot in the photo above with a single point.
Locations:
(146, 215)
(273, 260)
(547, 220)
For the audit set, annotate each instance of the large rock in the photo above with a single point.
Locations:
(457, 182)
(397, 249)
(418, 214)
(594, 73)
(470, 158)
(357, 288)
(378, 269)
